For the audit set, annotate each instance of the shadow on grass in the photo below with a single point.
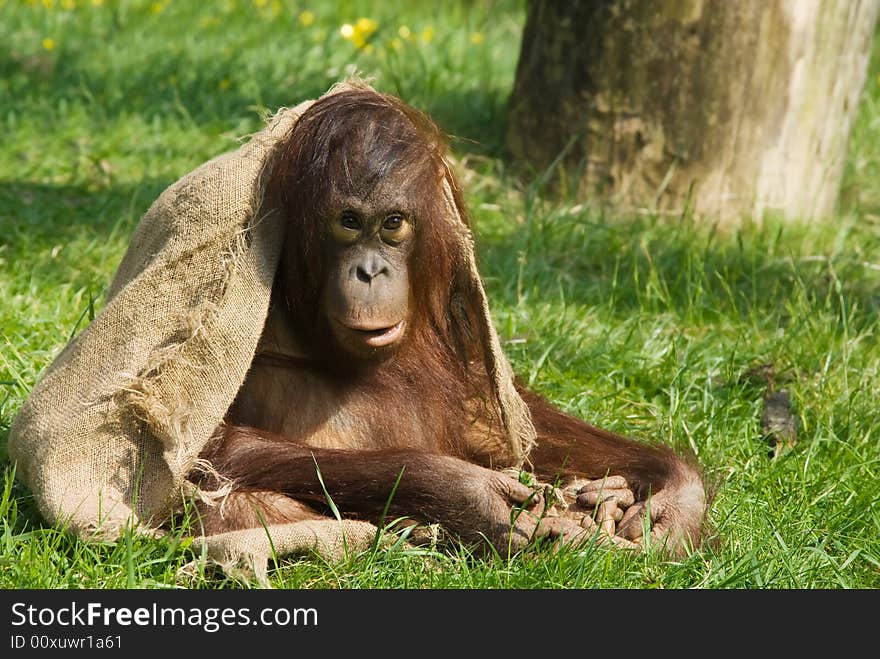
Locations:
(631, 265)
(34, 214)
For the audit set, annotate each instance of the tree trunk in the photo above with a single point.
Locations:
(733, 107)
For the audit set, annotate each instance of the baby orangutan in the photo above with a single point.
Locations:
(370, 377)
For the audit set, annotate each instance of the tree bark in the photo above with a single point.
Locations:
(731, 107)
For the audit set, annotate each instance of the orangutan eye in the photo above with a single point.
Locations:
(345, 228)
(350, 221)
(392, 223)
(396, 229)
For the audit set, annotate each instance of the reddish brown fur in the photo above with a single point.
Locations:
(425, 415)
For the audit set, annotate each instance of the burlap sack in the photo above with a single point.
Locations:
(109, 433)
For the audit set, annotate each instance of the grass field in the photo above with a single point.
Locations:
(651, 327)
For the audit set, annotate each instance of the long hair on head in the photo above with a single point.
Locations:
(350, 143)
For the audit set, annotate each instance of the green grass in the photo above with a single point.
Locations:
(650, 327)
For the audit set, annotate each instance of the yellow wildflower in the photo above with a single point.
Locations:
(360, 32)
(427, 34)
(48, 4)
(157, 7)
(366, 26)
(395, 44)
(477, 38)
(224, 84)
(48, 43)
(404, 32)
(259, 4)
(306, 18)
(97, 3)
(68, 4)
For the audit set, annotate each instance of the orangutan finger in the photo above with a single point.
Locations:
(624, 498)
(605, 516)
(573, 487)
(563, 531)
(518, 493)
(609, 483)
(623, 543)
(630, 526)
